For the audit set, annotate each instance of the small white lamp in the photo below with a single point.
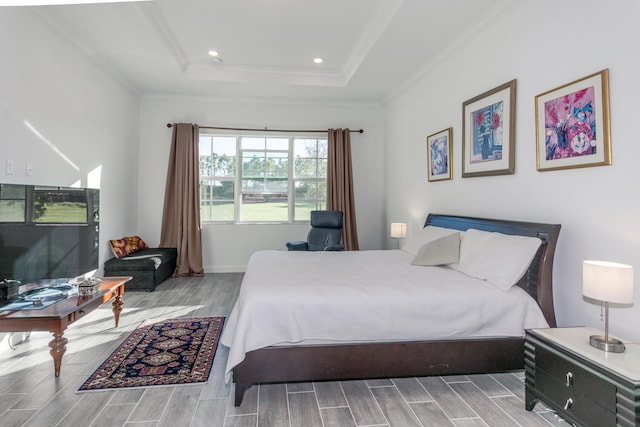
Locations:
(607, 282)
(398, 231)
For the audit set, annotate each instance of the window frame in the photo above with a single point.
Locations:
(237, 179)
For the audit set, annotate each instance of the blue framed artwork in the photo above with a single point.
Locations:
(439, 156)
(488, 132)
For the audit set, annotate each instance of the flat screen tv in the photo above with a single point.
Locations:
(48, 232)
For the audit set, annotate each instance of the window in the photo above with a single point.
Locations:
(261, 178)
(13, 203)
(309, 175)
(217, 178)
(57, 205)
(44, 205)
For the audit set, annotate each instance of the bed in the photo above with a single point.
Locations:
(277, 331)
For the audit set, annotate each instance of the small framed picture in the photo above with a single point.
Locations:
(439, 156)
(488, 132)
(572, 124)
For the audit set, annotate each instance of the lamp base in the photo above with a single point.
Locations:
(611, 345)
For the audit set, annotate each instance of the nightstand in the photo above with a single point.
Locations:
(584, 385)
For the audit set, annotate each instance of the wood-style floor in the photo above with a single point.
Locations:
(30, 395)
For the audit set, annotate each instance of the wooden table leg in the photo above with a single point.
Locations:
(117, 308)
(57, 345)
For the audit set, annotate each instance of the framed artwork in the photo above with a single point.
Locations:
(439, 156)
(572, 124)
(489, 131)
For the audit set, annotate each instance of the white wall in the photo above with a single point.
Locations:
(543, 44)
(228, 247)
(62, 114)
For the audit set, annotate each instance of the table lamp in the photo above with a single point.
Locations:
(607, 282)
(398, 231)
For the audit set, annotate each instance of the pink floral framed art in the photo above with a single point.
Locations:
(572, 124)
(488, 132)
(439, 156)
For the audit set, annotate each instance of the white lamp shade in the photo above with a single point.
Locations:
(607, 281)
(398, 230)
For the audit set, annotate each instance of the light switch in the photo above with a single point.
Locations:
(29, 169)
(9, 167)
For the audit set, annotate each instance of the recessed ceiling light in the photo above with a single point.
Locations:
(318, 60)
(213, 53)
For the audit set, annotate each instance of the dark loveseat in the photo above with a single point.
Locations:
(148, 267)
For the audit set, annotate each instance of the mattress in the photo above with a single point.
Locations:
(303, 298)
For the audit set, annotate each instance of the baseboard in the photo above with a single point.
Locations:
(225, 268)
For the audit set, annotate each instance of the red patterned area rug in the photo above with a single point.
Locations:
(164, 352)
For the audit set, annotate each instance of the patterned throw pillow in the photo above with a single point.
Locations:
(127, 245)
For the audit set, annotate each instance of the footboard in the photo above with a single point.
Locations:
(376, 360)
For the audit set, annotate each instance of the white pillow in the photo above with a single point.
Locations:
(444, 250)
(424, 236)
(498, 258)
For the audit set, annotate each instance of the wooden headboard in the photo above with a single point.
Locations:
(538, 279)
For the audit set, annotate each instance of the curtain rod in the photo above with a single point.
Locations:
(267, 130)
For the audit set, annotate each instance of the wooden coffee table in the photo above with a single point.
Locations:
(57, 317)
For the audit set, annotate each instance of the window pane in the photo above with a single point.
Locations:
(253, 143)
(204, 146)
(305, 168)
(12, 203)
(323, 148)
(12, 211)
(224, 166)
(306, 190)
(12, 191)
(278, 144)
(265, 207)
(253, 164)
(322, 192)
(256, 185)
(206, 165)
(224, 145)
(222, 211)
(277, 162)
(216, 200)
(256, 164)
(276, 185)
(305, 147)
(60, 206)
(322, 168)
(217, 156)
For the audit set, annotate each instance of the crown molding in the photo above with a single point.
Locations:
(262, 100)
(154, 15)
(288, 76)
(479, 24)
(381, 19)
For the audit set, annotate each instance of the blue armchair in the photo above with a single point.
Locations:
(325, 233)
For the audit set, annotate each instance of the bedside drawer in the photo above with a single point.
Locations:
(574, 379)
(574, 403)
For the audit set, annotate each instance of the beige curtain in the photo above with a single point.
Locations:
(181, 214)
(340, 184)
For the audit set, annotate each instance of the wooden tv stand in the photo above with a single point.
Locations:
(57, 317)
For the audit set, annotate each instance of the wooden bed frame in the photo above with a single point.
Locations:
(407, 359)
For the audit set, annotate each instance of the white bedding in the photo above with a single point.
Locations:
(296, 298)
